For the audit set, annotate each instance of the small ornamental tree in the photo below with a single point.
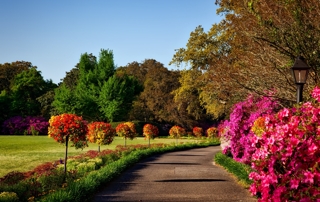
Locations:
(212, 132)
(287, 154)
(126, 130)
(100, 133)
(150, 131)
(197, 131)
(177, 132)
(68, 127)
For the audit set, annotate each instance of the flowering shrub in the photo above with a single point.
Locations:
(287, 154)
(100, 133)
(177, 131)
(25, 125)
(150, 131)
(71, 126)
(197, 131)
(126, 130)
(237, 130)
(212, 132)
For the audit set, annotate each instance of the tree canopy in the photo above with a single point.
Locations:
(252, 50)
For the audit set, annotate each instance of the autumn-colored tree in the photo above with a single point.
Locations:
(150, 131)
(269, 37)
(187, 96)
(138, 70)
(176, 132)
(197, 131)
(212, 132)
(207, 54)
(101, 133)
(155, 103)
(252, 50)
(68, 127)
(126, 130)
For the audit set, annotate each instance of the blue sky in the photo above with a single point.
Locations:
(53, 34)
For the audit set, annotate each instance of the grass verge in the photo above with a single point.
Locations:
(239, 170)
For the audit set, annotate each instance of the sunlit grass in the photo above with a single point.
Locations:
(23, 153)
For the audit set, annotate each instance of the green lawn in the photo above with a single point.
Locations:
(23, 153)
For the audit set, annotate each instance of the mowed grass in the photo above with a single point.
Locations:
(24, 153)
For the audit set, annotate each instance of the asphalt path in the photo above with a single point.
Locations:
(176, 176)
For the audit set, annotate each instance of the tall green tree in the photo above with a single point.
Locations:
(117, 96)
(95, 79)
(26, 88)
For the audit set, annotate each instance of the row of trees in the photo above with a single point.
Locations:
(98, 91)
(250, 50)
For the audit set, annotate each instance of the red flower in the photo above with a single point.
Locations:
(68, 125)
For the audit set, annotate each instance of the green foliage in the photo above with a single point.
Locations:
(9, 70)
(5, 111)
(8, 197)
(64, 100)
(117, 95)
(26, 87)
(98, 93)
(187, 96)
(46, 101)
(241, 171)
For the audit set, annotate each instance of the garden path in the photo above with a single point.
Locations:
(176, 176)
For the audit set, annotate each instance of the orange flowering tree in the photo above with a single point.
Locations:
(176, 132)
(126, 130)
(68, 127)
(197, 131)
(100, 133)
(150, 131)
(212, 132)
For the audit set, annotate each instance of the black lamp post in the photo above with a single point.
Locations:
(300, 71)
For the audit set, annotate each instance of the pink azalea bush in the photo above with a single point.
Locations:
(287, 154)
(237, 130)
(29, 125)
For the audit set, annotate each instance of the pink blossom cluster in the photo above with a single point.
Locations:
(237, 129)
(286, 161)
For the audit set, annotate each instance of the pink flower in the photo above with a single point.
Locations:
(308, 177)
(294, 183)
(312, 149)
(316, 93)
(283, 113)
